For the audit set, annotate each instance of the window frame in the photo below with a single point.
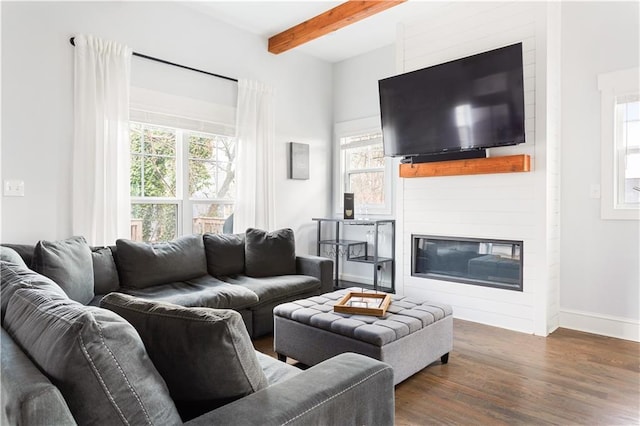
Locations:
(351, 128)
(148, 107)
(613, 85)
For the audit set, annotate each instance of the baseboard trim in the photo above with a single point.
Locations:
(606, 325)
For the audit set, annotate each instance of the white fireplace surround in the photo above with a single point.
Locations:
(510, 206)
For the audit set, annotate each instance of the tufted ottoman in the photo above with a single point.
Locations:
(413, 333)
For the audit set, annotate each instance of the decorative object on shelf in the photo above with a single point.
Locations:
(348, 205)
(364, 304)
(298, 161)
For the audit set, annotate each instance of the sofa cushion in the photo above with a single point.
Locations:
(225, 254)
(93, 356)
(203, 354)
(270, 289)
(269, 253)
(276, 371)
(69, 264)
(14, 277)
(105, 274)
(205, 291)
(8, 254)
(143, 265)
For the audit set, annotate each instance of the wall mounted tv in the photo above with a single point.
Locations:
(456, 109)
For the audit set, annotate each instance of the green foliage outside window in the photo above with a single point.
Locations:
(153, 161)
(154, 168)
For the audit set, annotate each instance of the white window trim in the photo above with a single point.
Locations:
(612, 85)
(353, 128)
(149, 106)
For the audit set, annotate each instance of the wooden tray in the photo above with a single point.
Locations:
(363, 303)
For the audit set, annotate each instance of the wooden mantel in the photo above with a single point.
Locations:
(477, 166)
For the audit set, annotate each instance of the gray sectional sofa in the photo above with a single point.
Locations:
(250, 273)
(136, 360)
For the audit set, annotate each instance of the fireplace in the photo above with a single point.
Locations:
(477, 261)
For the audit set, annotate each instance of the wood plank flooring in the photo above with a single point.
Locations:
(500, 377)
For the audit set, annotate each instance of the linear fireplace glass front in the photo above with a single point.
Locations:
(490, 263)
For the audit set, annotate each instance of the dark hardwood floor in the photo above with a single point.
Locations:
(500, 377)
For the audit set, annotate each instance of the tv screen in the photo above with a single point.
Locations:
(467, 104)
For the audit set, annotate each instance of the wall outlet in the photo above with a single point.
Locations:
(13, 188)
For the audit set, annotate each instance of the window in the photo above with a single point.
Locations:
(620, 171)
(627, 141)
(182, 173)
(363, 169)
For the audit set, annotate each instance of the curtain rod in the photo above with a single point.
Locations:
(151, 58)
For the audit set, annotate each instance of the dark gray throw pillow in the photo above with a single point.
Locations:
(14, 277)
(93, 356)
(225, 254)
(8, 254)
(105, 274)
(203, 354)
(268, 254)
(68, 263)
(144, 265)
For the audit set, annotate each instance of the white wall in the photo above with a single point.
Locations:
(600, 271)
(37, 96)
(355, 84)
(355, 96)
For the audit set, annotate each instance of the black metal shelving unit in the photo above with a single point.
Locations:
(339, 247)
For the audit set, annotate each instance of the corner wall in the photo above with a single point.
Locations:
(600, 272)
(599, 289)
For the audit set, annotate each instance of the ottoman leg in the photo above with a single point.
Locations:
(444, 358)
(283, 358)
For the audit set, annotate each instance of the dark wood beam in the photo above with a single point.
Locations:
(327, 22)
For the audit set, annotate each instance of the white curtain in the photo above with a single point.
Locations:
(254, 165)
(101, 200)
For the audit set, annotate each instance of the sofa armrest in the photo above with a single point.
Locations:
(319, 267)
(346, 389)
(28, 397)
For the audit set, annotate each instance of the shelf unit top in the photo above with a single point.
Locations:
(342, 242)
(369, 259)
(354, 221)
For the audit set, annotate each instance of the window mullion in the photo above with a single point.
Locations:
(185, 209)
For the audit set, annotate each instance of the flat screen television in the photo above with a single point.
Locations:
(464, 105)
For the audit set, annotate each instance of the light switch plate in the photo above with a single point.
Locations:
(594, 190)
(13, 188)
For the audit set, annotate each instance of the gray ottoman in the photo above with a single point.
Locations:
(413, 333)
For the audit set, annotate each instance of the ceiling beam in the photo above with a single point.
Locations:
(327, 22)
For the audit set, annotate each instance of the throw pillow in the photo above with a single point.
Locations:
(69, 264)
(225, 254)
(144, 265)
(10, 255)
(94, 357)
(14, 277)
(105, 274)
(24, 250)
(269, 254)
(203, 354)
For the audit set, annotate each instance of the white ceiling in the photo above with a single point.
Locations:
(267, 18)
